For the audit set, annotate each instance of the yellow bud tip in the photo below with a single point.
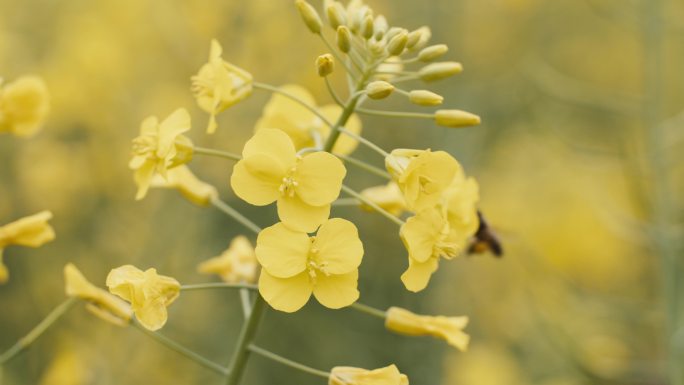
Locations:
(439, 71)
(325, 64)
(397, 44)
(456, 118)
(309, 16)
(425, 98)
(379, 89)
(344, 38)
(336, 15)
(432, 52)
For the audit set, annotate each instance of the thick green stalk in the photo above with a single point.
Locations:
(241, 354)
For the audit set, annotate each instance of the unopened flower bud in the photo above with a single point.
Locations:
(413, 38)
(432, 52)
(398, 43)
(392, 32)
(379, 89)
(438, 71)
(424, 34)
(344, 38)
(425, 98)
(380, 26)
(325, 64)
(367, 27)
(336, 14)
(310, 16)
(456, 118)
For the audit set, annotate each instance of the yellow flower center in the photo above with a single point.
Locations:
(444, 247)
(145, 145)
(314, 265)
(289, 183)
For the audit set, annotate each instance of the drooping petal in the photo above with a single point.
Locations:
(175, 124)
(256, 179)
(121, 281)
(299, 133)
(421, 232)
(339, 246)
(337, 290)
(281, 251)
(143, 178)
(418, 274)
(152, 315)
(285, 294)
(274, 143)
(319, 177)
(299, 216)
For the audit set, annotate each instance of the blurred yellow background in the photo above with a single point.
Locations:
(577, 125)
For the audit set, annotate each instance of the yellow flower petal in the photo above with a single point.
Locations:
(281, 251)
(418, 274)
(174, 125)
(274, 143)
(236, 264)
(319, 177)
(336, 290)
(339, 246)
(257, 179)
(299, 134)
(346, 375)
(285, 294)
(152, 315)
(31, 231)
(282, 105)
(449, 329)
(388, 197)
(300, 216)
(421, 232)
(101, 303)
(24, 105)
(183, 180)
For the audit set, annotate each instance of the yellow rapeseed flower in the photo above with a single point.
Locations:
(219, 85)
(24, 105)
(427, 237)
(422, 176)
(148, 293)
(347, 375)
(296, 265)
(183, 180)
(160, 147)
(100, 302)
(31, 231)
(236, 264)
(449, 329)
(388, 197)
(304, 186)
(460, 201)
(301, 125)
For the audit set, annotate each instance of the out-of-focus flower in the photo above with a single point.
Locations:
(460, 201)
(301, 125)
(347, 375)
(149, 293)
(68, 368)
(159, 148)
(296, 265)
(219, 85)
(24, 105)
(427, 237)
(388, 197)
(236, 264)
(100, 302)
(422, 176)
(390, 67)
(449, 329)
(303, 186)
(31, 231)
(183, 180)
(477, 367)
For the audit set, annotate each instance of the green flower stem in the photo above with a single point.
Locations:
(369, 310)
(218, 285)
(346, 202)
(374, 206)
(364, 141)
(286, 361)
(365, 166)
(241, 354)
(217, 153)
(333, 51)
(37, 331)
(178, 348)
(294, 98)
(332, 92)
(223, 206)
(396, 114)
(246, 302)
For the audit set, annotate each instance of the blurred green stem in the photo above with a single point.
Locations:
(369, 310)
(286, 361)
(223, 206)
(364, 141)
(218, 153)
(374, 206)
(241, 354)
(396, 114)
(175, 346)
(218, 285)
(294, 98)
(661, 205)
(365, 166)
(37, 331)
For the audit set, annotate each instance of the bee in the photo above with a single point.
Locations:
(485, 239)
